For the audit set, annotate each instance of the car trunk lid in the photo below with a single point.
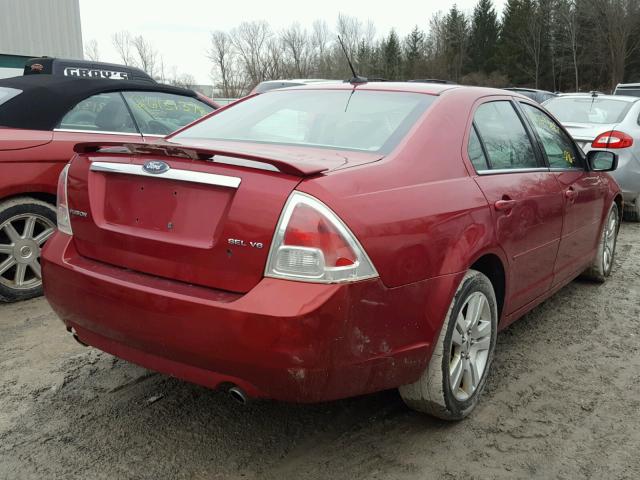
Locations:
(585, 133)
(207, 220)
(16, 139)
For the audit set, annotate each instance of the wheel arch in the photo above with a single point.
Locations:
(620, 203)
(492, 267)
(38, 195)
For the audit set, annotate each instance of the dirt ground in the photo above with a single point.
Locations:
(563, 401)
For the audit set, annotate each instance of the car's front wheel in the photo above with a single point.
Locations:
(25, 225)
(450, 386)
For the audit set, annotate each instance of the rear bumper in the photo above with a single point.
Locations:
(284, 340)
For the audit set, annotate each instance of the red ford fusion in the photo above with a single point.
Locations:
(41, 118)
(322, 242)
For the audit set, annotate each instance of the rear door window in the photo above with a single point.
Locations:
(505, 138)
(105, 112)
(476, 154)
(557, 145)
(158, 113)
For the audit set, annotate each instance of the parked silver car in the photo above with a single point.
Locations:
(628, 89)
(607, 122)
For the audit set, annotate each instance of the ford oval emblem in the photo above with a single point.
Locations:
(155, 167)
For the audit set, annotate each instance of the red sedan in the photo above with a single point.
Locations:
(328, 241)
(41, 118)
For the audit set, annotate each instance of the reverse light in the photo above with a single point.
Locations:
(312, 244)
(613, 139)
(64, 221)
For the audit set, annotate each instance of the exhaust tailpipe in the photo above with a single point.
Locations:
(238, 395)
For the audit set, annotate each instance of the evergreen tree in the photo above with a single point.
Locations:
(392, 57)
(512, 57)
(366, 61)
(456, 34)
(414, 47)
(483, 39)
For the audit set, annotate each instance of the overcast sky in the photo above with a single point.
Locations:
(179, 30)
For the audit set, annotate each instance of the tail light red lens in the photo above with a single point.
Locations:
(311, 243)
(307, 228)
(613, 139)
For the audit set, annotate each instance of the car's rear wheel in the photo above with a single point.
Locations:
(450, 386)
(632, 210)
(602, 264)
(25, 225)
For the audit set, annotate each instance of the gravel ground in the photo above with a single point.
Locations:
(563, 401)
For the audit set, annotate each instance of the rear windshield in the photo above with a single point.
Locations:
(588, 110)
(7, 94)
(632, 92)
(371, 121)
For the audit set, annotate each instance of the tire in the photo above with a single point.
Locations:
(631, 212)
(456, 353)
(25, 225)
(602, 263)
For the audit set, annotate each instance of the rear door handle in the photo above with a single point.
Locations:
(570, 194)
(504, 204)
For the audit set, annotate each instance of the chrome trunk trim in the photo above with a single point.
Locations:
(171, 174)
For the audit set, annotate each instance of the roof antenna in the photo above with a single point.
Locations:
(356, 79)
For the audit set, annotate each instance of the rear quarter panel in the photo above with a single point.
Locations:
(417, 213)
(422, 220)
(30, 162)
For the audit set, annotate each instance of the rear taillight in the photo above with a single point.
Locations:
(64, 222)
(312, 244)
(612, 139)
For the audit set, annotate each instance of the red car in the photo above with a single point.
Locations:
(328, 241)
(41, 118)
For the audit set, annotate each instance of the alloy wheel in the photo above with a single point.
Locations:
(470, 343)
(21, 240)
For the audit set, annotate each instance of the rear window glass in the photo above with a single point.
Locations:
(340, 119)
(160, 113)
(105, 112)
(588, 110)
(7, 94)
(632, 92)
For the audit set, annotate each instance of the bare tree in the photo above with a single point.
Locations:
(531, 38)
(91, 50)
(251, 41)
(147, 56)
(296, 44)
(122, 43)
(436, 46)
(274, 65)
(184, 80)
(567, 14)
(222, 53)
(320, 45)
(618, 21)
(351, 31)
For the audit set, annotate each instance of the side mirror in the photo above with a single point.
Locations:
(602, 161)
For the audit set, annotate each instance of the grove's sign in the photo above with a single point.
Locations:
(95, 73)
